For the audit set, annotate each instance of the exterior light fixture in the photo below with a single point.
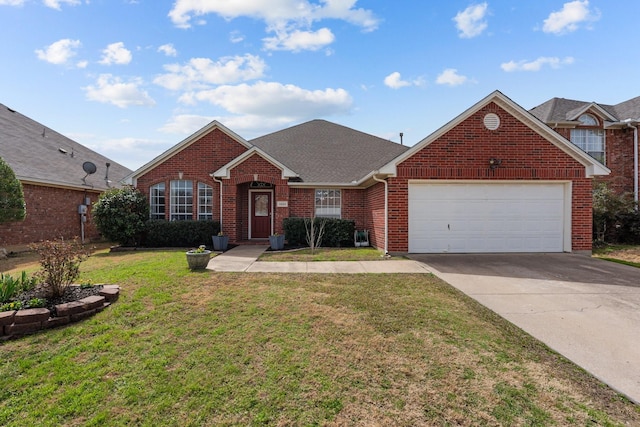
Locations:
(494, 163)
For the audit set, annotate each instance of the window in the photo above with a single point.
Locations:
(181, 200)
(590, 139)
(328, 203)
(205, 201)
(156, 201)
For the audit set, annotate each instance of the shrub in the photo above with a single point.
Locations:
(120, 215)
(337, 232)
(615, 216)
(162, 234)
(10, 306)
(60, 261)
(12, 206)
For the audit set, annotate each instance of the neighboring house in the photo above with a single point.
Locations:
(609, 133)
(494, 179)
(50, 168)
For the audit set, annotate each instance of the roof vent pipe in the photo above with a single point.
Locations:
(401, 135)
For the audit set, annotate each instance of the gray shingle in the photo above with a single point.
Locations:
(35, 153)
(325, 152)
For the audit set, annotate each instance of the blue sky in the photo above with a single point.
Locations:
(131, 78)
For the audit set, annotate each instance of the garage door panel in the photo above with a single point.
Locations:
(495, 217)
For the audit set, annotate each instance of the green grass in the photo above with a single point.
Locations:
(184, 348)
(325, 254)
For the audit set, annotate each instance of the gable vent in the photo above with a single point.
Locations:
(491, 121)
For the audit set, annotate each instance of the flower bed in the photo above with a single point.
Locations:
(20, 322)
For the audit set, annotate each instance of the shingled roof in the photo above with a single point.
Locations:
(324, 152)
(558, 110)
(40, 155)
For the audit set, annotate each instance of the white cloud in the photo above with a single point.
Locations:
(112, 90)
(271, 99)
(200, 72)
(116, 53)
(471, 21)
(185, 123)
(168, 50)
(298, 40)
(570, 17)
(394, 81)
(55, 4)
(11, 2)
(236, 37)
(451, 77)
(536, 65)
(59, 52)
(82, 64)
(290, 20)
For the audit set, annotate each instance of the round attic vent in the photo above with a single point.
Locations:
(491, 121)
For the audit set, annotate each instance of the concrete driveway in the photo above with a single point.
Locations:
(584, 308)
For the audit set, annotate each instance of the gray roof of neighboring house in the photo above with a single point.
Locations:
(324, 152)
(562, 110)
(38, 154)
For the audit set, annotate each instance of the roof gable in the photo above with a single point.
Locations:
(42, 156)
(225, 171)
(211, 127)
(592, 166)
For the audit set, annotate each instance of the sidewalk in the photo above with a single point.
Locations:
(245, 258)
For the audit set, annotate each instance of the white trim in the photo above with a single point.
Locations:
(271, 210)
(592, 166)
(132, 178)
(225, 171)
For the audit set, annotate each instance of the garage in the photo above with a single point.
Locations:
(474, 217)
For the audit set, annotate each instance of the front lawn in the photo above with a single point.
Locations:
(185, 348)
(325, 254)
(623, 254)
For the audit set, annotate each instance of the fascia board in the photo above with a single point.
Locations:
(131, 178)
(225, 171)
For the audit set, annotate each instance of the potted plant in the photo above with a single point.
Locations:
(220, 242)
(276, 241)
(198, 259)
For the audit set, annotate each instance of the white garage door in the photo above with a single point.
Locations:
(496, 217)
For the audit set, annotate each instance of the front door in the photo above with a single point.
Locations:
(260, 214)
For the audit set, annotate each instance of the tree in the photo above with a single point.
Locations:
(121, 215)
(12, 206)
(615, 215)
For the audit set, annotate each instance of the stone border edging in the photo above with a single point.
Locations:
(16, 323)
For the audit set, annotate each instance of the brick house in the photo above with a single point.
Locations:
(494, 179)
(609, 133)
(50, 168)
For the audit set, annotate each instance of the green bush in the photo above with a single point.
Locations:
(615, 216)
(120, 215)
(10, 287)
(180, 234)
(12, 206)
(337, 232)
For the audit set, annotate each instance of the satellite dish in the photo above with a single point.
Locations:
(89, 168)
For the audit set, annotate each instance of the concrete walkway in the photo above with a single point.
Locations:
(245, 258)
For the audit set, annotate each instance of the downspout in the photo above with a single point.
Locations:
(635, 163)
(219, 182)
(386, 212)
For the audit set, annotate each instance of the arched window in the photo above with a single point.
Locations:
(588, 120)
(589, 137)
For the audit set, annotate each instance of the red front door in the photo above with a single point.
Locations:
(260, 214)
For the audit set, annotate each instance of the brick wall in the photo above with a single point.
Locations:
(374, 215)
(196, 161)
(51, 213)
(464, 152)
(618, 158)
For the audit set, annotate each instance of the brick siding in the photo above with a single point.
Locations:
(52, 213)
(463, 154)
